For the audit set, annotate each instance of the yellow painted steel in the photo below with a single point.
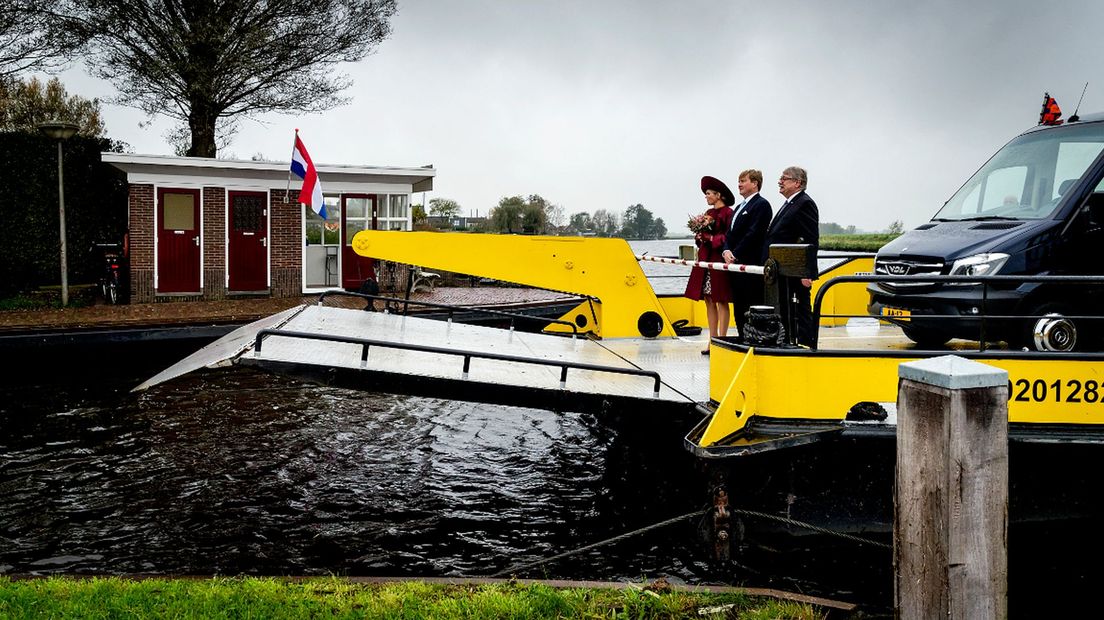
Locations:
(605, 269)
(586, 316)
(676, 309)
(823, 387)
(685, 309)
(850, 298)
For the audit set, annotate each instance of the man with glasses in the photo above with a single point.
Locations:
(797, 221)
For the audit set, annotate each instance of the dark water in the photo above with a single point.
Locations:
(239, 472)
(236, 471)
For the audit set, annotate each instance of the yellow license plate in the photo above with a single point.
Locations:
(897, 312)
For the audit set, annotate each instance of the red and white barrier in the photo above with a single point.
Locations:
(756, 269)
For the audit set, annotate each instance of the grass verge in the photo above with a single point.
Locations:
(249, 597)
(80, 295)
(856, 243)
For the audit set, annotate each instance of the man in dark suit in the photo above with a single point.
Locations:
(797, 221)
(744, 244)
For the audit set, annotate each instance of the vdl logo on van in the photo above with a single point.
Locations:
(897, 269)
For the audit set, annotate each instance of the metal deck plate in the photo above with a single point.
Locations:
(682, 368)
(221, 350)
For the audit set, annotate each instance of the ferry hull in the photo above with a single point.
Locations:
(770, 398)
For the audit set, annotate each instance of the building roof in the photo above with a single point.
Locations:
(172, 170)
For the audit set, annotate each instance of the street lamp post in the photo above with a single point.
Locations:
(61, 131)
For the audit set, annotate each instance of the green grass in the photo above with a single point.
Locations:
(113, 597)
(870, 242)
(49, 298)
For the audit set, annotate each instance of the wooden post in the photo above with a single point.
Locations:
(950, 521)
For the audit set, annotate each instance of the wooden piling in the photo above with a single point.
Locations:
(950, 525)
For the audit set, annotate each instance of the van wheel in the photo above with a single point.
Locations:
(926, 338)
(1052, 332)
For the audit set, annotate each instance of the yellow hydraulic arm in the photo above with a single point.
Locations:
(604, 269)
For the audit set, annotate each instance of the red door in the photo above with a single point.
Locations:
(358, 212)
(178, 240)
(248, 250)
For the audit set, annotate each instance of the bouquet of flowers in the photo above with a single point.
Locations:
(700, 223)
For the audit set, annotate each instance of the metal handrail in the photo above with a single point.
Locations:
(450, 308)
(984, 281)
(467, 355)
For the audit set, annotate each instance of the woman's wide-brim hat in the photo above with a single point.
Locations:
(715, 184)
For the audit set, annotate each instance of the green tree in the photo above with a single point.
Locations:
(506, 217)
(95, 209)
(638, 223)
(580, 223)
(444, 207)
(417, 215)
(896, 228)
(534, 220)
(515, 214)
(210, 61)
(25, 104)
(659, 229)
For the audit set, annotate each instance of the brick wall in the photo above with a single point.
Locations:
(214, 243)
(142, 227)
(287, 246)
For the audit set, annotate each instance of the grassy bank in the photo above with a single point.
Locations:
(866, 242)
(61, 597)
(871, 242)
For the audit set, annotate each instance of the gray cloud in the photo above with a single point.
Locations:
(889, 105)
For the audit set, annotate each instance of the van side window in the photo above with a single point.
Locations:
(1073, 159)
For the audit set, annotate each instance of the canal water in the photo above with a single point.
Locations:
(239, 472)
(243, 472)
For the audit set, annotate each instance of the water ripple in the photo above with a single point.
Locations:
(235, 471)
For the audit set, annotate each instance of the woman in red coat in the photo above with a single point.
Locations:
(708, 284)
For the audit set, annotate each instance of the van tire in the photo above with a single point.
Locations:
(926, 338)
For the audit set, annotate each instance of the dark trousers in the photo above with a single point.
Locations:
(797, 311)
(747, 291)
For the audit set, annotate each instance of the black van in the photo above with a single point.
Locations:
(1035, 208)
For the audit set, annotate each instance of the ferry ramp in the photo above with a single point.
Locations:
(395, 353)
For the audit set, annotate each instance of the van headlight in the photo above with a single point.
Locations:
(978, 265)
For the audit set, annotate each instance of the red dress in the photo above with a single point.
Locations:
(709, 250)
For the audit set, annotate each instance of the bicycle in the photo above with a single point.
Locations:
(111, 277)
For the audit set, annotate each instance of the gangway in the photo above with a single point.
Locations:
(407, 354)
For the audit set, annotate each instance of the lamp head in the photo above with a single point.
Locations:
(58, 130)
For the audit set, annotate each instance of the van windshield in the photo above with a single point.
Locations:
(1027, 178)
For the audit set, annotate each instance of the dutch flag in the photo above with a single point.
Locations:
(303, 167)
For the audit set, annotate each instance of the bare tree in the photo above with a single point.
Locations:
(202, 61)
(31, 39)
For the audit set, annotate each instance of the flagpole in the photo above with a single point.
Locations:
(287, 191)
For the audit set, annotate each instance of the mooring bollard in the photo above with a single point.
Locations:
(950, 505)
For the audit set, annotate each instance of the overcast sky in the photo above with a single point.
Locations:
(890, 105)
